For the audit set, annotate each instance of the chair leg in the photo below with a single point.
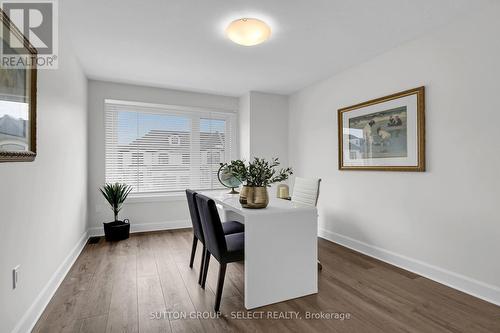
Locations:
(220, 285)
(202, 265)
(205, 269)
(193, 251)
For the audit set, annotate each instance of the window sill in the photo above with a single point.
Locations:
(162, 197)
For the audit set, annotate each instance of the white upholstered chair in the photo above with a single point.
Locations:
(306, 192)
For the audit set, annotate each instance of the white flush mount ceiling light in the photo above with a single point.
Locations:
(248, 31)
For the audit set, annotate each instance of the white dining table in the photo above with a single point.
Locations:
(281, 248)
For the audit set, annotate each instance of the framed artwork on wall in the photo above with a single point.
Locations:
(385, 134)
(17, 94)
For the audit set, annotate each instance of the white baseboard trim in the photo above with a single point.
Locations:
(144, 227)
(36, 309)
(487, 292)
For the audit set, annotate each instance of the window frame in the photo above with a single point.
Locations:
(228, 115)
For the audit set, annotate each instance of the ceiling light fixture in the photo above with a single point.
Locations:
(248, 31)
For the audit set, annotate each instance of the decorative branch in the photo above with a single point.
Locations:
(259, 172)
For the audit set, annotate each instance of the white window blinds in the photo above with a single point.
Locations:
(160, 148)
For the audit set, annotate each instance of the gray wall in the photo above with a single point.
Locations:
(244, 126)
(147, 213)
(263, 120)
(443, 223)
(263, 128)
(43, 204)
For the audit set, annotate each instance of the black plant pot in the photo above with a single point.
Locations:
(117, 230)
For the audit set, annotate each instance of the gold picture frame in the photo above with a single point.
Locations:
(18, 87)
(384, 134)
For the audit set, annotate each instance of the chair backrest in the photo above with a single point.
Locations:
(215, 240)
(195, 215)
(306, 191)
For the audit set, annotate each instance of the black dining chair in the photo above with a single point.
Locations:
(225, 248)
(230, 227)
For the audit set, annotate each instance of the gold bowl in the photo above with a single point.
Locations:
(254, 197)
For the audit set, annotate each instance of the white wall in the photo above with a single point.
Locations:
(43, 204)
(264, 126)
(443, 223)
(145, 214)
(244, 126)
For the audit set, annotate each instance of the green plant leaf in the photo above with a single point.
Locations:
(259, 172)
(115, 194)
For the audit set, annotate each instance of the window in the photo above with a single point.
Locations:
(160, 148)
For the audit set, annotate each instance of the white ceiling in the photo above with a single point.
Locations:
(181, 44)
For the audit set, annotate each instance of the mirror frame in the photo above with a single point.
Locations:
(30, 154)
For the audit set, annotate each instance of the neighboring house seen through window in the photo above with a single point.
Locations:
(159, 148)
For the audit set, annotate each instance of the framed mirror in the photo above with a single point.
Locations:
(17, 94)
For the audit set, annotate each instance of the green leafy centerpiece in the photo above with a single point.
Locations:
(256, 176)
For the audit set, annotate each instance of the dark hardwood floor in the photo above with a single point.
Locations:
(118, 287)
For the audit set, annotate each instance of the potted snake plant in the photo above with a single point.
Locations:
(256, 177)
(116, 194)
